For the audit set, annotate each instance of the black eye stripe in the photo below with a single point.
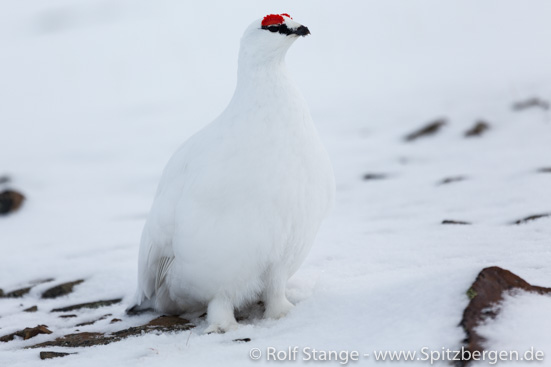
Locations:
(281, 28)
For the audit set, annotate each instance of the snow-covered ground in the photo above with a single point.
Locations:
(96, 95)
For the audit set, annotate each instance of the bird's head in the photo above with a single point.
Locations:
(269, 38)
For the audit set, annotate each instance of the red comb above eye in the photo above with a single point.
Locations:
(272, 19)
(287, 15)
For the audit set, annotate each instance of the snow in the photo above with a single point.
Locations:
(95, 96)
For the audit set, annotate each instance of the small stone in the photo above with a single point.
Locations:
(531, 218)
(61, 289)
(530, 103)
(452, 179)
(49, 355)
(10, 201)
(244, 340)
(31, 309)
(449, 221)
(374, 176)
(67, 316)
(115, 320)
(478, 129)
(93, 321)
(427, 130)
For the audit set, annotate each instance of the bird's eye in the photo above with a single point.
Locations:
(273, 28)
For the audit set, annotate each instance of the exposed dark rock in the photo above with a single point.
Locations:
(67, 316)
(530, 103)
(449, 221)
(244, 340)
(22, 291)
(160, 324)
(94, 321)
(448, 180)
(26, 333)
(478, 129)
(485, 294)
(61, 289)
(545, 170)
(429, 129)
(50, 355)
(18, 293)
(31, 309)
(374, 176)
(113, 321)
(10, 201)
(531, 218)
(76, 340)
(96, 304)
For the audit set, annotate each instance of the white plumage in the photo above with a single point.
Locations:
(239, 204)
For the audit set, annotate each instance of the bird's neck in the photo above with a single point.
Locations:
(264, 82)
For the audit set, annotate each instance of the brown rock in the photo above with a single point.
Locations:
(429, 129)
(31, 309)
(115, 321)
(10, 201)
(478, 129)
(485, 293)
(61, 289)
(26, 333)
(94, 321)
(96, 304)
(22, 291)
(49, 355)
(18, 293)
(531, 218)
(160, 324)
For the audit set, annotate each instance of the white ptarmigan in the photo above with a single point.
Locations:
(239, 204)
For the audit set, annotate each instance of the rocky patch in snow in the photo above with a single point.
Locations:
(450, 221)
(26, 333)
(485, 294)
(531, 103)
(427, 130)
(449, 180)
(61, 290)
(478, 129)
(87, 339)
(50, 355)
(10, 201)
(531, 218)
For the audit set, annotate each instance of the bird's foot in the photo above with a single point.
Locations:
(220, 316)
(221, 328)
(276, 309)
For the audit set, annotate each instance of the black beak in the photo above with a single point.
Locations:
(302, 31)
